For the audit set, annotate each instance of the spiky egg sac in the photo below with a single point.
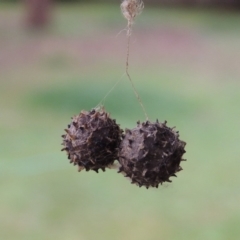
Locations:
(150, 154)
(92, 140)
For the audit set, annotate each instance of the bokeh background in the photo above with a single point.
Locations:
(185, 64)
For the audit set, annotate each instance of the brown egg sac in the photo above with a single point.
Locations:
(92, 140)
(150, 154)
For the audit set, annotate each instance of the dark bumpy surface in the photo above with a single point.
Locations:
(150, 154)
(92, 140)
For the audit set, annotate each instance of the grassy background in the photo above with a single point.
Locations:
(185, 64)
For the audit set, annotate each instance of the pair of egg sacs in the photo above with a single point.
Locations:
(149, 154)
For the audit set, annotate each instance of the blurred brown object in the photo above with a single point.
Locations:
(38, 12)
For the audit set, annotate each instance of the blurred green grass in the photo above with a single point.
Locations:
(43, 197)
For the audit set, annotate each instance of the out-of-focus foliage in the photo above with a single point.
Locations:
(225, 3)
